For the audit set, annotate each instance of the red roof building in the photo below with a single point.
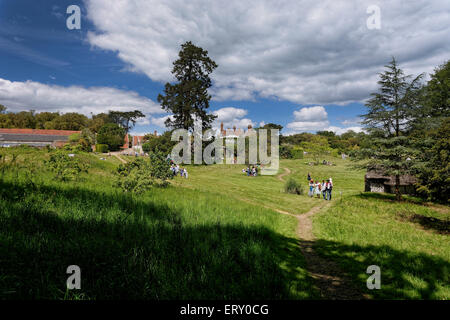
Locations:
(34, 137)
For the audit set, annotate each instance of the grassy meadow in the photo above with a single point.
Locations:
(215, 235)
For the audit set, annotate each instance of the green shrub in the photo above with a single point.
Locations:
(102, 148)
(297, 153)
(74, 137)
(65, 168)
(285, 151)
(293, 186)
(141, 174)
(146, 147)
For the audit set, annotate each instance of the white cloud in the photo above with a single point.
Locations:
(19, 96)
(351, 121)
(312, 119)
(309, 119)
(339, 130)
(316, 113)
(229, 113)
(231, 117)
(303, 51)
(303, 126)
(159, 121)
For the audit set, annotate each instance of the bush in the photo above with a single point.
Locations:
(293, 186)
(65, 168)
(286, 151)
(297, 153)
(74, 137)
(102, 148)
(141, 174)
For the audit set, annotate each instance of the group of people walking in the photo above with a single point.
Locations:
(176, 169)
(318, 189)
(251, 172)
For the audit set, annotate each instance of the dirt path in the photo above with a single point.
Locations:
(285, 173)
(332, 282)
(118, 157)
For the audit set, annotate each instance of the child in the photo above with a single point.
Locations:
(318, 189)
(311, 188)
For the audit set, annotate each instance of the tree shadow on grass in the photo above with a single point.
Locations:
(149, 254)
(404, 274)
(391, 197)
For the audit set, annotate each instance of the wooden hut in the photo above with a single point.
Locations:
(376, 181)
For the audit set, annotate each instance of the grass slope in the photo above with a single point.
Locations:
(172, 243)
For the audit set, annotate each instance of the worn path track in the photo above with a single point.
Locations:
(285, 173)
(332, 282)
(118, 157)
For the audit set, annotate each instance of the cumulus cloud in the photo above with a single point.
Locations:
(309, 119)
(354, 121)
(339, 130)
(231, 117)
(159, 121)
(304, 51)
(20, 96)
(316, 113)
(312, 119)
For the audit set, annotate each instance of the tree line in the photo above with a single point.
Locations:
(67, 121)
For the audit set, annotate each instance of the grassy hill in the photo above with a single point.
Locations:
(216, 235)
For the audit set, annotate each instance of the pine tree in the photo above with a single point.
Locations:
(188, 98)
(391, 112)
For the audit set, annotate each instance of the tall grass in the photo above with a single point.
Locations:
(364, 230)
(171, 243)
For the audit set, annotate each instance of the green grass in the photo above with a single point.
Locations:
(363, 230)
(215, 235)
(172, 243)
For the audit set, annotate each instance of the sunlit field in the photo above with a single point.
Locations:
(216, 235)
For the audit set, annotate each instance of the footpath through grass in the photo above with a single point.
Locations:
(212, 236)
(409, 241)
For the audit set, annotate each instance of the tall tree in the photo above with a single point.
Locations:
(126, 120)
(188, 98)
(430, 135)
(390, 114)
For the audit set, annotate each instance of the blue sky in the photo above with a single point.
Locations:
(305, 65)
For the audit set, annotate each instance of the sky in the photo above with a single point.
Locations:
(305, 64)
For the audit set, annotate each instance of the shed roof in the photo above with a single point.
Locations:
(390, 180)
